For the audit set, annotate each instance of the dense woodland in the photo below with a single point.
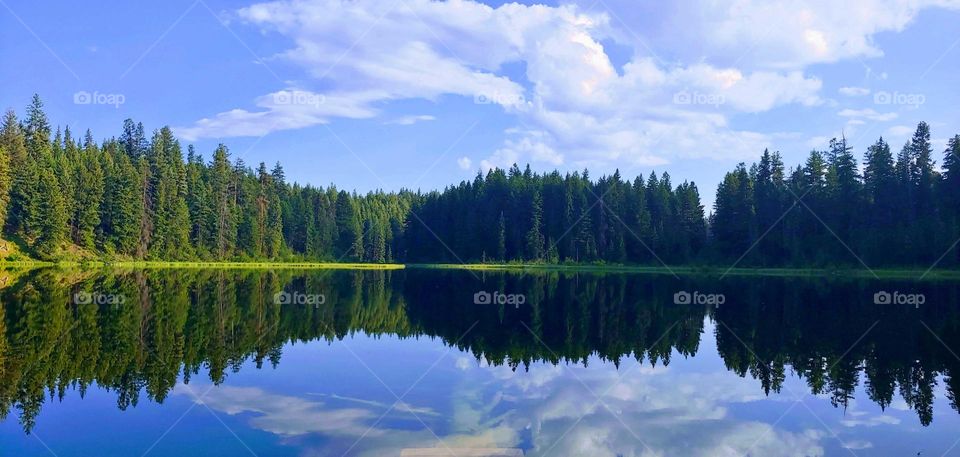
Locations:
(143, 197)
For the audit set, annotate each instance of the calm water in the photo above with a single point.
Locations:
(217, 363)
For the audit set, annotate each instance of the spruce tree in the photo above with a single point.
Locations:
(350, 231)
(534, 238)
(89, 194)
(121, 219)
(12, 151)
(224, 198)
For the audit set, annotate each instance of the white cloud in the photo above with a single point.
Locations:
(283, 110)
(580, 110)
(818, 141)
(680, 413)
(867, 114)
(280, 414)
(785, 33)
(412, 119)
(854, 91)
(464, 163)
(870, 421)
(898, 131)
(857, 444)
(530, 145)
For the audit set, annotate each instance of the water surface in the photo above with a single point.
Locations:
(217, 363)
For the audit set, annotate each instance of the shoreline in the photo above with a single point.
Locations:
(888, 273)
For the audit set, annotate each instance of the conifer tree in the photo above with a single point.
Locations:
(121, 218)
(224, 198)
(88, 194)
(12, 151)
(534, 238)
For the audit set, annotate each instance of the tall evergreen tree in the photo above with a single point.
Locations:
(224, 198)
(12, 150)
(534, 239)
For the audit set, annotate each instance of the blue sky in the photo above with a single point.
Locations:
(421, 94)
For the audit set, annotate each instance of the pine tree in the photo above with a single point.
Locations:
(89, 194)
(199, 204)
(224, 198)
(502, 238)
(121, 218)
(276, 196)
(880, 182)
(843, 190)
(12, 151)
(950, 194)
(51, 214)
(733, 214)
(769, 197)
(350, 234)
(166, 188)
(534, 238)
(925, 179)
(43, 209)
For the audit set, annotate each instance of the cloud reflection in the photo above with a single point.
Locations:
(548, 410)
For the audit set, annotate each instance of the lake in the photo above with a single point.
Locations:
(432, 362)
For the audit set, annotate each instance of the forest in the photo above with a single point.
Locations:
(140, 197)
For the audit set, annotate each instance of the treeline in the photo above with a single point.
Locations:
(140, 197)
(521, 215)
(900, 210)
(135, 197)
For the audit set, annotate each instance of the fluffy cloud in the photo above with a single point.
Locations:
(495, 407)
(785, 34)
(854, 91)
(867, 114)
(900, 131)
(410, 120)
(280, 414)
(283, 110)
(575, 106)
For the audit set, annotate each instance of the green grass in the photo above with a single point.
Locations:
(700, 270)
(145, 264)
(905, 273)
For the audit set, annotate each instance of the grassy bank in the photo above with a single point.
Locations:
(905, 273)
(236, 265)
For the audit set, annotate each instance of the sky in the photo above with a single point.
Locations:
(420, 94)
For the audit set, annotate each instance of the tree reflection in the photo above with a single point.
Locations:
(174, 325)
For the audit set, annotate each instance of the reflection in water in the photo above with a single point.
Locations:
(174, 326)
